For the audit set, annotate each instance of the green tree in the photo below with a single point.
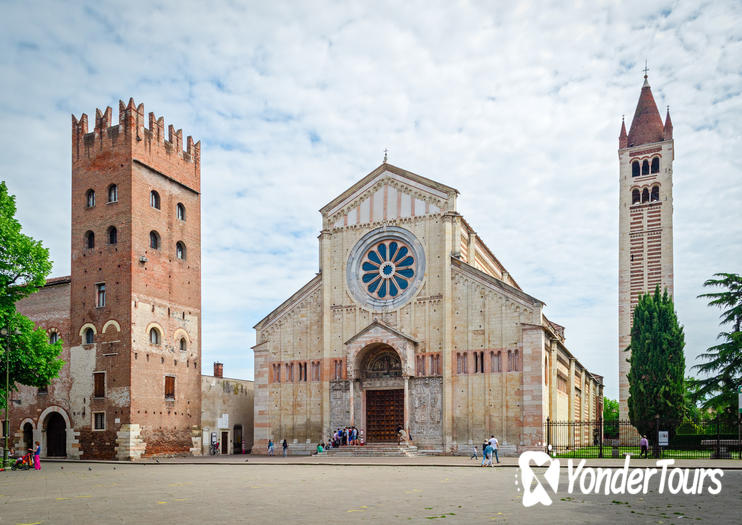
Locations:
(24, 265)
(722, 363)
(610, 409)
(656, 375)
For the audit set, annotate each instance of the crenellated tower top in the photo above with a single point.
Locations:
(147, 145)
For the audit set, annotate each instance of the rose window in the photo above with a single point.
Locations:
(388, 268)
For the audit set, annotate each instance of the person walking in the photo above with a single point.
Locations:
(473, 452)
(270, 447)
(495, 445)
(488, 456)
(484, 453)
(285, 448)
(37, 457)
(644, 444)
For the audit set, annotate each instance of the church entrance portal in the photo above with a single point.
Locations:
(56, 435)
(27, 437)
(384, 414)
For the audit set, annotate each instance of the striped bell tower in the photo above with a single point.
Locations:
(645, 218)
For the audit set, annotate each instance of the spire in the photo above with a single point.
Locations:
(668, 125)
(623, 139)
(646, 126)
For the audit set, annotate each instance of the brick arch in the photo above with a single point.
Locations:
(375, 336)
(179, 332)
(113, 323)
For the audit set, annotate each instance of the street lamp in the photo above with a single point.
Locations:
(6, 423)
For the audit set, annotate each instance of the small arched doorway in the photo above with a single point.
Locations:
(381, 377)
(56, 435)
(27, 437)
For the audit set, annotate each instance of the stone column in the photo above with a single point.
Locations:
(571, 387)
(553, 390)
(407, 404)
(350, 400)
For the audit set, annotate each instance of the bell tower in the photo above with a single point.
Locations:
(645, 259)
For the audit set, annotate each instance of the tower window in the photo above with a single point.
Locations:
(169, 387)
(180, 212)
(645, 167)
(90, 199)
(154, 240)
(99, 384)
(656, 165)
(100, 294)
(113, 235)
(636, 197)
(53, 338)
(113, 193)
(655, 194)
(154, 336)
(89, 336)
(183, 344)
(645, 195)
(635, 168)
(89, 240)
(180, 250)
(154, 199)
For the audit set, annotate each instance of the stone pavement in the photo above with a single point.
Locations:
(182, 493)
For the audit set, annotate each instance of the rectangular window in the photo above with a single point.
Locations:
(99, 420)
(169, 387)
(100, 295)
(99, 384)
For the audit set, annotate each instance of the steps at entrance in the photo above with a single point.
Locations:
(373, 450)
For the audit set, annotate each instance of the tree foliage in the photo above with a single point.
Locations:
(722, 363)
(24, 262)
(24, 265)
(656, 376)
(610, 409)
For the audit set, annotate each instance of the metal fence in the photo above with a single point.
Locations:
(606, 439)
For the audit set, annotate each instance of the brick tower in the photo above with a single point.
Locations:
(135, 300)
(645, 219)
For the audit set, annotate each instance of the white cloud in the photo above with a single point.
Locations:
(516, 105)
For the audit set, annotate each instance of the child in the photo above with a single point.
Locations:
(473, 452)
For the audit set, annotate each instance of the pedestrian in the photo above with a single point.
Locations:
(495, 445)
(644, 444)
(488, 456)
(473, 452)
(484, 453)
(270, 447)
(285, 448)
(37, 457)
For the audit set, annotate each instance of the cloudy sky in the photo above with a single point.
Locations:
(518, 105)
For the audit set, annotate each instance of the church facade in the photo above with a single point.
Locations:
(412, 322)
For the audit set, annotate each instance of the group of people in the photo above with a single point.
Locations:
(34, 453)
(489, 448)
(284, 445)
(344, 436)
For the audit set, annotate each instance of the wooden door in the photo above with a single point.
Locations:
(384, 414)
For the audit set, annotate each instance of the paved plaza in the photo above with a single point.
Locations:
(273, 490)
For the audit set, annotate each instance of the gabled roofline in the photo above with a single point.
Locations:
(378, 171)
(505, 287)
(385, 326)
(53, 281)
(489, 252)
(297, 295)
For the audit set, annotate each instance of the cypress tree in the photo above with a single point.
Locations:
(656, 376)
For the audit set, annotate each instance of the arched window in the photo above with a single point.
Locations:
(645, 195)
(89, 336)
(635, 168)
(113, 193)
(180, 212)
(154, 199)
(154, 240)
(655, 194)
(516, 360)
(180, 250)
(636, 197)
(645, 167)
(90, 198)
(89, 240)
(113, 235)
(53, 337)
(183, 344)
(154, 336)
(656, 165)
